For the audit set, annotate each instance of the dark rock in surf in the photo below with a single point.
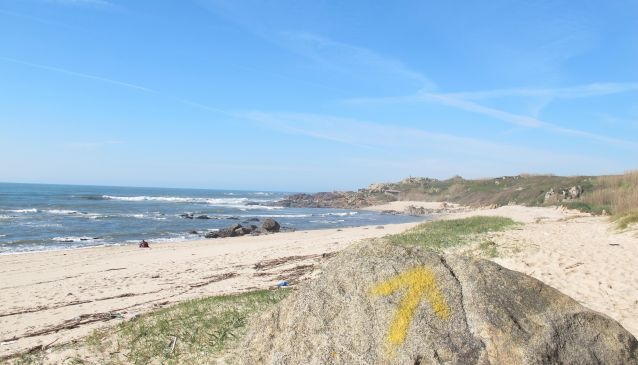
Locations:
(270, 225)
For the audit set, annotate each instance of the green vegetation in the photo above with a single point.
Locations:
(617, 192)
(488, 247)
(199, 331)
(624, 220)
(200, 328)
(613, 194)
(522, 189)
(439, 235)
(587, 207)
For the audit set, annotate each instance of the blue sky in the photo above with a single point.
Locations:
(314, 95)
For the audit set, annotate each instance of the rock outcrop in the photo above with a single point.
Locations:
(270, 225)
(563, 194)
(236, 230)
(378, 303)
(337, 199)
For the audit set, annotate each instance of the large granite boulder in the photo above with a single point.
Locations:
(378, 303)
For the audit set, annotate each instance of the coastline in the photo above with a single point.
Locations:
(581, 255)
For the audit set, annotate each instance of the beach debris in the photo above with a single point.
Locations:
(380, 227)
(171, 344)
(282, 284)
(378, 303)
(144, 244)
(213, 279)
(574, 265)
(268, 264)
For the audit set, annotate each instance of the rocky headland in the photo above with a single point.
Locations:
(529, 190)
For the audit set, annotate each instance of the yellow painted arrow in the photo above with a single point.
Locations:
(419, 282)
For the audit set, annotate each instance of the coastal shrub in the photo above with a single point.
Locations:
(193, 332)
(587, 207)
(623, 221)
(439, 235)
(489, 248)
(617, 192)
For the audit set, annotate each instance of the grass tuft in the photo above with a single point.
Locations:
(489, 248)
(193, 332)
(439, 235)
(587, 207)
(623, 221)
(617, 194)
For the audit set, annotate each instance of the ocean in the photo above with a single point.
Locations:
(35, 217)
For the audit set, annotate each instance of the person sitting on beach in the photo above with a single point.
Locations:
(144, 244)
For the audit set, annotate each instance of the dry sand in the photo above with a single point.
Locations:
(581, 255)
(574, 252)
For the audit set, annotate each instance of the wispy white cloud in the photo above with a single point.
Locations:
(580, 91)
(462, 101)
(331, 54)
(418, 151)
(79, 74)
(368, 134)
(351, 59)
(128, 85)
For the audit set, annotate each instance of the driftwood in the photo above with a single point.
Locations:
(76, 302)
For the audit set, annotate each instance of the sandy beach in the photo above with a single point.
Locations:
(57, 296)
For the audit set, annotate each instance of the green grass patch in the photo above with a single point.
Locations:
(623, 221)
(193, 332)
(439, 235)
(587, 207)
(488, 247)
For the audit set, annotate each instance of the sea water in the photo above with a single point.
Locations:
(36, 217)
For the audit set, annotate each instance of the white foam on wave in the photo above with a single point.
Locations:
(75, 239)
(142, 216)
(340, 214)
(178, 238)
(278, 215)
(3, 216)
(31, 210)
(325, 221)
(231, 202)
(60, 211)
